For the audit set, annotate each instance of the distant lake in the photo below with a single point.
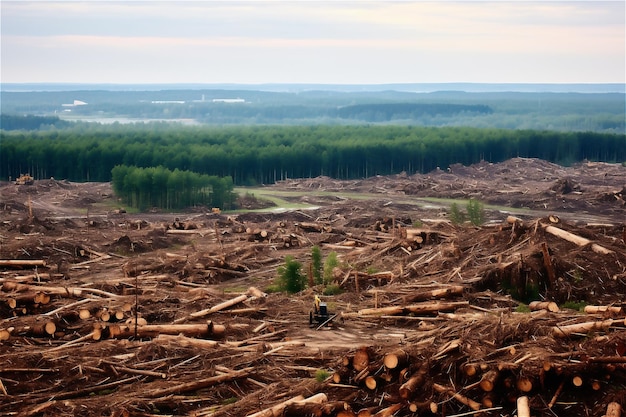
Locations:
(126, 120)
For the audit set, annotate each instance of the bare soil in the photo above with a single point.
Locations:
(402, 262)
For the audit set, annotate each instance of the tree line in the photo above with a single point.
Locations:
(31, 122)
(384, 112)
(265, 154)
(143, 188)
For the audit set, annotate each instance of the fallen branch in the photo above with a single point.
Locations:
(200, 384)
(215, 308)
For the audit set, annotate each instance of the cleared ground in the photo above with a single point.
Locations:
(448, 295)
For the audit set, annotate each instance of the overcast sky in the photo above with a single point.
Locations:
(300, 41)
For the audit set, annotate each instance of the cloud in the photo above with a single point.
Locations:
(375, 39)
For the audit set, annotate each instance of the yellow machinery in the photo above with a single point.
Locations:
(320, 314)
(24, 179)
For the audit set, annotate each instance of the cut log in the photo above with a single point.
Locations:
(62, 291)
(389, 411)
(304, 408)
(201, 232)
(395, 359)
(612, 310)
(564, 331)
(123, 331)
(257, 234)
(422, 308)
(22, 262)
(277, 410)
(5, 334)
(185, 341)
(524, 384)
(613, 410)
(103, 315)
(255, 292)
(577, 240)
(313, 227)
(361, 359)
(488, 381)
(523, 407)
(544, 305)
(460, 398)
(488, 400)
(45, 328)
(471, 369)
(370, 382)
(84, 314)
(361, 376)
(341, 375)
(410, 387)
(435, 293)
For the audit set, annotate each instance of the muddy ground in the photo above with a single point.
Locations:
(453, 297)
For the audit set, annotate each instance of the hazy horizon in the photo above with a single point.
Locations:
(302, 42)
(303, 87)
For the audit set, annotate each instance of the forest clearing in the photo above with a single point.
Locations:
(108, 313)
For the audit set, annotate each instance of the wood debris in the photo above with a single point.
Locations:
(169, 316)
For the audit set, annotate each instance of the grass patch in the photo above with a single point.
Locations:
(332, 289)
(235, 289)
(575, 305)
(321, 375)
(273, 288)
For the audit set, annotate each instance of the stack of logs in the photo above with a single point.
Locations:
(407, 385)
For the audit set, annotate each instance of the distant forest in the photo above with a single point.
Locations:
(593, 111)
(264, 154)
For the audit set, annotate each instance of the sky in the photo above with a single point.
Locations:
(319, 42)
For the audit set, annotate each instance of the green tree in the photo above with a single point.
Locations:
(456, 215)
(329, 264)
(316, 261)
(290, 277)
(475, 212)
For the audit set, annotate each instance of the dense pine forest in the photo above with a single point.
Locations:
(264, 154)
(144, 188)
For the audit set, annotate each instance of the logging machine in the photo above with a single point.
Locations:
(320, 314)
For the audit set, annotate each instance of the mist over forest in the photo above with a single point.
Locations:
(570, 107)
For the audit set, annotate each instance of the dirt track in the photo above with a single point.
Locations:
(167, 276)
